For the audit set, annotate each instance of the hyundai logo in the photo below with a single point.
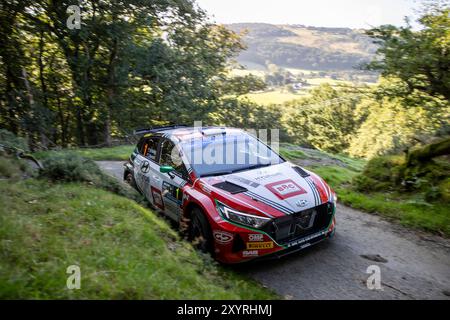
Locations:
(301, 203)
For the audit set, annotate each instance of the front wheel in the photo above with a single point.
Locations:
(200, 232)
(129, 179)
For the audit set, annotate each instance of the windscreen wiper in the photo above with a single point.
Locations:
(255, 166)
(217, 173)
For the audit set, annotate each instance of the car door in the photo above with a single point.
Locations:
(146, 166)
(172, 183)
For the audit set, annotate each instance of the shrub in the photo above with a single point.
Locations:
(70, 167)
(380, 173)
(10, 140)
(14, 169)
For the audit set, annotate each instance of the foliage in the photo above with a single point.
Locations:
(325, 119)
(10, 140)
(71, 167)
(394, 124)
(419, 58)
(381, 174)
(124, 251)
(14, 169)
(132, 64)
(239, 85)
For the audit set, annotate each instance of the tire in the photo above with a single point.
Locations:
(200, 232)
(129, 178)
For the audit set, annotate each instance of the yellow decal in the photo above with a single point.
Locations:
(259, 245)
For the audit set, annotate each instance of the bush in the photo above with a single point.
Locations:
(10, 140)
(380, 174)
(71, 167)
(391, 173)
(14, 169)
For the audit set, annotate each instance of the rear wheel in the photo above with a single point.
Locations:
(200, 232)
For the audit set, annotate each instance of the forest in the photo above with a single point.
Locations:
(144, 63)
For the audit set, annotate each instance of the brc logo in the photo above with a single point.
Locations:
(285, 189)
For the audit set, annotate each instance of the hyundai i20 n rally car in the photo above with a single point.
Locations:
(231, 194)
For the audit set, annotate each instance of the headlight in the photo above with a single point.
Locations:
(241, 218)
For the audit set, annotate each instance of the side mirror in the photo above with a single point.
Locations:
(166, 169)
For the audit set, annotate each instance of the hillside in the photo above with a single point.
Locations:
(123, 250)
(302, 47)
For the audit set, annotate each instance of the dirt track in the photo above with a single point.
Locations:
(413, 265)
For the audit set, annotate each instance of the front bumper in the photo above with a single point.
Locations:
(244, 244)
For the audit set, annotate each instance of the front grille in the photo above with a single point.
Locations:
(300, 224)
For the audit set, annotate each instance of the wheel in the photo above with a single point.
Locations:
(129, 178)
(200, 232)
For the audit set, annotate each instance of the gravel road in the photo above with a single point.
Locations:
(412, 264)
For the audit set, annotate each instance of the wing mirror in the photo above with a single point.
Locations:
(166, 169)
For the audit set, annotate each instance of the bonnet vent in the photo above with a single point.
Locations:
(301, 172)
(230, 187)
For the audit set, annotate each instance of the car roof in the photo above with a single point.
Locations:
(186, 133)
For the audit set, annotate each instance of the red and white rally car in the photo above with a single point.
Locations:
(233, 195)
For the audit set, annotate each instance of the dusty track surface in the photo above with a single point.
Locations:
(413, 265)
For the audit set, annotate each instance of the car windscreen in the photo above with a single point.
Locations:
(226, 154)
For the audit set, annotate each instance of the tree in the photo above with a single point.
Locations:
(133, 63)
(419, 58)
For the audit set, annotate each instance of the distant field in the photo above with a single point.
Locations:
(274, 97)
(242, 73)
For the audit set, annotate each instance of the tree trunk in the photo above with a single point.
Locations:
(110, 90)
(428, 152)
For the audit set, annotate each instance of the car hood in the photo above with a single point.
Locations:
(285, 188)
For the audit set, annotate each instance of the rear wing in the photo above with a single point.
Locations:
(156, 129)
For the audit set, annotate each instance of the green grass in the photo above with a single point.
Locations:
(97, 154)
(124, 251)
(290, 154)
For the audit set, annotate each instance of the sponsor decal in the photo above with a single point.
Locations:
(264, 176)
(255, 237)
(157, 198)
(306, 239)
(223, 237)
(250, 253)
(259, 245)
(245, 181)
(285, 189)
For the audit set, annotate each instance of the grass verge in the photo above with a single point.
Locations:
(98, 154)
(123, 250)
(409, 209)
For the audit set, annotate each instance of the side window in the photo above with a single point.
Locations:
(149, 148)
(169, 158)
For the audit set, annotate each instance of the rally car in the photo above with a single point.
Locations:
(231, 194)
